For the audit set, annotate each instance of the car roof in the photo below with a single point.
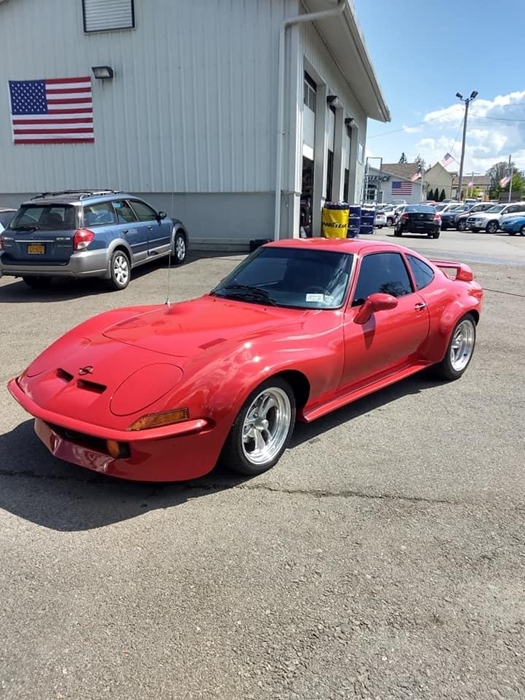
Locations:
(80, 196)
(357, 246)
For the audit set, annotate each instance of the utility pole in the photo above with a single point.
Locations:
(466, 101)
(510, 175)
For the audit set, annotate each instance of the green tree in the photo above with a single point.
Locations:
(500, 170)
(403, 158)
(420, 163)
(442, 196)
(431, 195)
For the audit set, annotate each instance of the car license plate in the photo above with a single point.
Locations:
(36, 249)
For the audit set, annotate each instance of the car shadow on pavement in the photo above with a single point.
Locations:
(60, 496)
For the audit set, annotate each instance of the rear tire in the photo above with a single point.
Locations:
(119, 270)
(37, 282)
(522, 231)
(390, 221)
(459, 350)
(262, 429)
(179, 248)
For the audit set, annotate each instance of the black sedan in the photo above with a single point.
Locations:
(418, 218)
(449, 218)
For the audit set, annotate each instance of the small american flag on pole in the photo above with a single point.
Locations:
(446, 160)
(54, 110)
(401, 188)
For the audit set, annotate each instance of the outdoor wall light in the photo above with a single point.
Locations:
(333, 101)
(102, 72)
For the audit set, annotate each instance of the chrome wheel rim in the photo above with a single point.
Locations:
(121, 269)
(180, 247)
(462, 345)
(266, 426)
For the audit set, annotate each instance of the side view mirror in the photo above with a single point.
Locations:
(374, 303)
(161, 215)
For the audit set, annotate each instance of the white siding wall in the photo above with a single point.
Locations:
(320, 59)
(192, 107)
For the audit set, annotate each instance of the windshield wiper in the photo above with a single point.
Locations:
(248, 293)
(26, 228)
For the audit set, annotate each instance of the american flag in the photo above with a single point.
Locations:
(400, 188)
(55, 110)
(446, 160)
(505, 180)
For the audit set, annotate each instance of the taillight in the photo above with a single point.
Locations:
(82, 238)
(1, 242)
(405, 217)
(437, 218)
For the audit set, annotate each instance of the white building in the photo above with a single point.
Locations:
(223, 113)
(395, 183)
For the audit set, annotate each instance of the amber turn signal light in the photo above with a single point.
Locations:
(117, 450)
(157, 420)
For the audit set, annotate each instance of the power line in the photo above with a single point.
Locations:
(473, 116)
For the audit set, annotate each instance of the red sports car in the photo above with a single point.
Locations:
(296, 330)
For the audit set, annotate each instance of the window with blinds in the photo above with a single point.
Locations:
(105, 15)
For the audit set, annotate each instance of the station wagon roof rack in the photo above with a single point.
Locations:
(82, 193)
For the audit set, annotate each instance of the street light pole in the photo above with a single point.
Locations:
(466, 101)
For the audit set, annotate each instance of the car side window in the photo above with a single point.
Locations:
(381, 272)
(143, 211)
(99, 214)
(125, 214)
(423, 273)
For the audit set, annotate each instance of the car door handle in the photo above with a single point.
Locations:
(126, 230)
(420, 307)
(150, 228)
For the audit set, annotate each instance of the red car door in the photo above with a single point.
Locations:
(390, 339)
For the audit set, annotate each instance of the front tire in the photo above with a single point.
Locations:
(179, 249)
(262, 429)
(119, 270)
(462, 226)
(492, 227)
(397, 232)
(459, 351)
(522, 231)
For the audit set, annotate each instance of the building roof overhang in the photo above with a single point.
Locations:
(345, 42)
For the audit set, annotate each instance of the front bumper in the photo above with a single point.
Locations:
(172, 453)
(87, 263)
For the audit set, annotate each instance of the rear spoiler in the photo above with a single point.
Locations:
(463, 272)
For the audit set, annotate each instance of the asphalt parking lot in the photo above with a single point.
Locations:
(384, 556)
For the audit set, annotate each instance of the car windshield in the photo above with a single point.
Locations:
(496, 209)
(5, 217)
(291, 277)
(50, 217)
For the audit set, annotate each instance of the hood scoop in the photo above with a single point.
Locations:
(212, 343)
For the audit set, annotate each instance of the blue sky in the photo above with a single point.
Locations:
(423, 52)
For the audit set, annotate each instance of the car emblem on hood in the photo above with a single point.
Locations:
(88, 369)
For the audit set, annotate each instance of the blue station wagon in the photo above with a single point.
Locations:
(87, 233)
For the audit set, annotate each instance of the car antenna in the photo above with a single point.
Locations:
(168, 300)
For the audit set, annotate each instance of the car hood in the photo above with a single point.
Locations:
(122, 368)
(184, 329)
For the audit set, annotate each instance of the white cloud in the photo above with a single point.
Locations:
(495, 130)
